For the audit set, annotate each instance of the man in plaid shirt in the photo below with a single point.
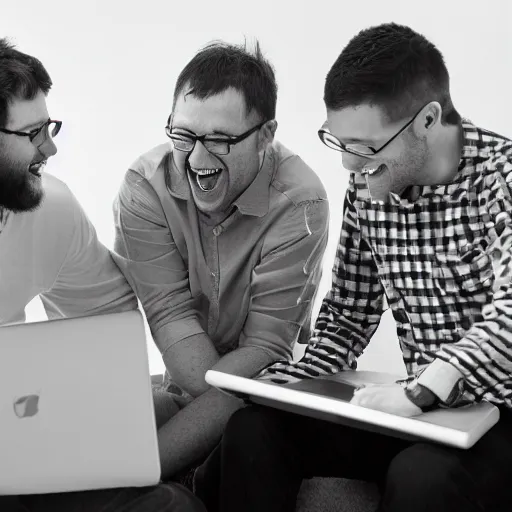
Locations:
(427, 231)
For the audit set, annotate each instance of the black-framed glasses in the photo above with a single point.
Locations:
(216, 145)
(49, 128)
(359, 149)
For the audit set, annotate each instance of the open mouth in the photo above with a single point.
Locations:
(373, 172)
(207, 179)
(36, 168)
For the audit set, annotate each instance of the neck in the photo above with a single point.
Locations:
(440, 166)
(446, 155)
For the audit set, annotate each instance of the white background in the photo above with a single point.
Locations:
(114, 65)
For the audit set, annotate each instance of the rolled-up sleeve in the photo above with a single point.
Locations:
(285, 281)
(145, 251)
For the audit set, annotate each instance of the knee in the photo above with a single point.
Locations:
(243, 425)
(248, 428)
(422, 470)
(176, 498)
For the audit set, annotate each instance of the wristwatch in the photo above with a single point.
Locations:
(421, 396)
(456, 394)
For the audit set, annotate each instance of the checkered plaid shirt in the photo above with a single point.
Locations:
(443, 264)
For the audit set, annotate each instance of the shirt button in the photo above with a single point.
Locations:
(217, 230)
(465, 323)
(378, 259)
(401, 316)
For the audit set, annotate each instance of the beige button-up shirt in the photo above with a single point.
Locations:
(248, 281)
(54, 252)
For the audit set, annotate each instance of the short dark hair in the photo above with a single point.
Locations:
(393, 67)
(219, 66)
(21, 76)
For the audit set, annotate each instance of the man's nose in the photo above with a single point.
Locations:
(47, 148)
(199, 157)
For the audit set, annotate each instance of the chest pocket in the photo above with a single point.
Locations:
(466, 273)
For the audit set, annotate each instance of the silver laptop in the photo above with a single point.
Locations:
(76, 407)
(328, 398)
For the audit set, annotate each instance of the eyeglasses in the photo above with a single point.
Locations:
(49, 128)
(216, 145)
(358, 149)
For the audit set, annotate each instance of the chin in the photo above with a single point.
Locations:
(29, 201)
(212, 203)
(210, 208)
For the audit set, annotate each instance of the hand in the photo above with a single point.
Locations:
(388, 398)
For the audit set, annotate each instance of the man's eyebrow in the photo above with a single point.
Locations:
(174, 128)
(214, 132)
(222, 132)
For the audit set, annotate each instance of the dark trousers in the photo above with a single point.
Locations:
(160, 498)
(265, 454)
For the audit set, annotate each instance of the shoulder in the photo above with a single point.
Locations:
(483, 143)
(298, 201)
(491, 139)
(59, 209)
(144, 180)
(488, 157)
(293, 178)
(494, 151)
(55, 225)
(147, 164)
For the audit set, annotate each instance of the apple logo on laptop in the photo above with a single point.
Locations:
(26, 406)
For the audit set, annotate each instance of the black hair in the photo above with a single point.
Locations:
(21, 76)
(220, 65)
(393, 67)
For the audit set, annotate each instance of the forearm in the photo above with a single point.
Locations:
(330, 350)
(244, 361)
(482, 358)
(192, 434)
(188, 360)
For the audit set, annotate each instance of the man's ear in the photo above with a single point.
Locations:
(428, 118)
(267, 133)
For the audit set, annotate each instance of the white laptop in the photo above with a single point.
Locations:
(76, 406)
(328, 398)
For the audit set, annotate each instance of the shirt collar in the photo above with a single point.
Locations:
(253, 201)
(176, 182)
(4, 214)
(472, 144)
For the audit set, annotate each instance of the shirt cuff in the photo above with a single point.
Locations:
(440, 377)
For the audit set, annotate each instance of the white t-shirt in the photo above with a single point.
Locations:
(54, 252)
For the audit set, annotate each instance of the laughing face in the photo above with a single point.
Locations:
(217, 180)
(400, 164)
(22, 160)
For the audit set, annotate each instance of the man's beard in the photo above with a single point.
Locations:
(20, 191)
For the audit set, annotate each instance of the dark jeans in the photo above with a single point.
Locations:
(160, 498)
(265, 454)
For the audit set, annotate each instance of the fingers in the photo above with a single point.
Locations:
(369, 395)
(363, 396)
